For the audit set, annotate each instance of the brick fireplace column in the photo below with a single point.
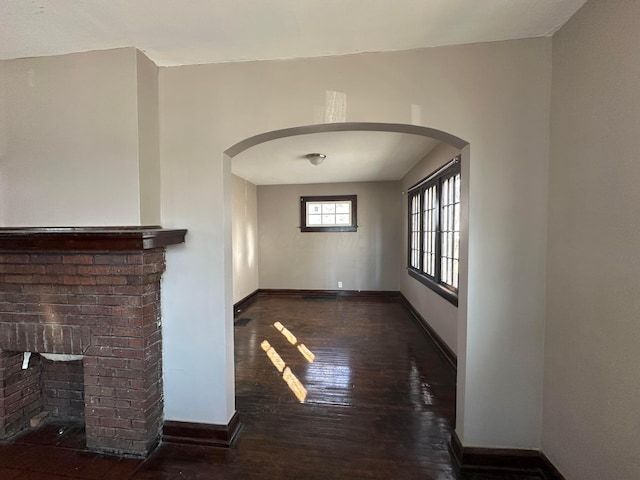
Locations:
(94, 293)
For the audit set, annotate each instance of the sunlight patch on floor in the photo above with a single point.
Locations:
(286, 333)
(294, 385)
(291, 380)
(273, 355)
(306, 353)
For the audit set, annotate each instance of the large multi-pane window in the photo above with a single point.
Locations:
(434, 230)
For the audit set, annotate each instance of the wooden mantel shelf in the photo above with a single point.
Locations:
(89, 238)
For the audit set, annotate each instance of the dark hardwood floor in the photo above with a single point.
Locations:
(380, 404)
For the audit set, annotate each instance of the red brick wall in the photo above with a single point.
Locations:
(105, 306)
(20, 393)
(62, 386)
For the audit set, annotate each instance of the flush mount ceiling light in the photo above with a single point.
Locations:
(315, 158)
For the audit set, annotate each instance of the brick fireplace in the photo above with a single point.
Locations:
(93, 293)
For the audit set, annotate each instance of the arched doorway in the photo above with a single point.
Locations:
(443, 137)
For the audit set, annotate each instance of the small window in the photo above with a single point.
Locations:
(336, 213)
(434, 231)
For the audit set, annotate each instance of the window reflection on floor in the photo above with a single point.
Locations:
(419, 388)
(291, 338)
(306, 353)
(294, 384)
(273, 355)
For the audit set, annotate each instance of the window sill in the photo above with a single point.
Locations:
(346, 228)
(441, 290)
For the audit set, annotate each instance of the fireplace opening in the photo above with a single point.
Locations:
(62, 385)
(37, 389)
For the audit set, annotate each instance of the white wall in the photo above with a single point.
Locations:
(244, 218)
(3, 136)
(495, 96)
(148, 140)
(362, 260)
(591, 427)
(69, 131)
(441, 314)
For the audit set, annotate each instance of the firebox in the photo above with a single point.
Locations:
(80, 331)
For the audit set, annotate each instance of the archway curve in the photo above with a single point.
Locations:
(456, 142)
(346, 127)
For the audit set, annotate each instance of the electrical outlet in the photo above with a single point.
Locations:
(339, 284)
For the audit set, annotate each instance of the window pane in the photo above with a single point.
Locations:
(445, 192)
(443, 269)
(451, 240)
(314, 208)
(314, 220)
(455, 273)
(343, 220)
(456, 245)
(445, 218)
(328, 208)
(328, 219)
(343, 207)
